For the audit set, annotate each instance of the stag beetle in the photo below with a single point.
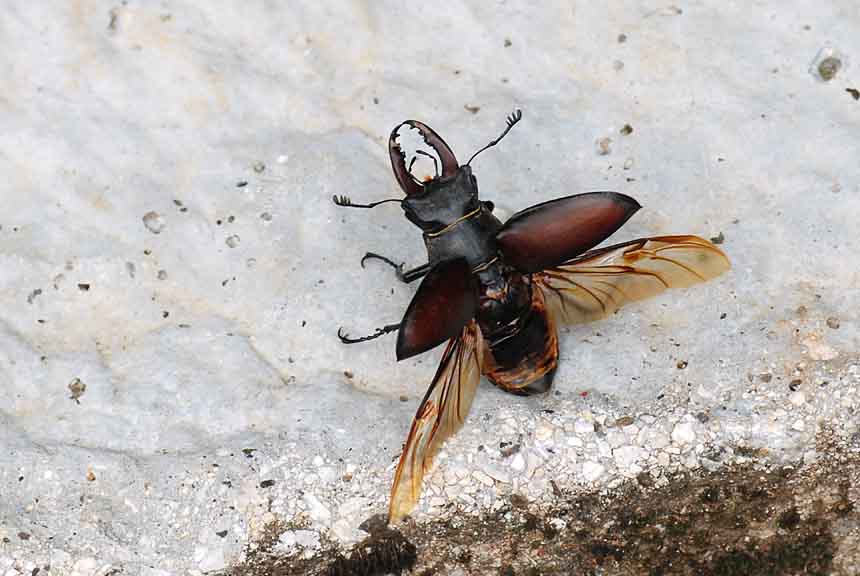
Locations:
(496, 291)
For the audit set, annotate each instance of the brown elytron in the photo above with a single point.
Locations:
(495, 291)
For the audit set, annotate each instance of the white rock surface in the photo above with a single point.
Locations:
(168, 246)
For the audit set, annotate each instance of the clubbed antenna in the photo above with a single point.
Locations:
(515, 117)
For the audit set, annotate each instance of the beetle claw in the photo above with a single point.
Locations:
(432, 139)
(515, 117)
(398, 268)
(398, 164)
(344, 337)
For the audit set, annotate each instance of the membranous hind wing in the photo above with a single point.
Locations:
(600, 281)
(440, 415)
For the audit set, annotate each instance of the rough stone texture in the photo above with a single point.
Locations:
(173, 271)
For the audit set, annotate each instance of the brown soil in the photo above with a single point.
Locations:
(741, 520)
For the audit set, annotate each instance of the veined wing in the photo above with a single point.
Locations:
(600, 281)
(440, 415)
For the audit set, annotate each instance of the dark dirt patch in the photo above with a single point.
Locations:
(382, 553)
(740, 520)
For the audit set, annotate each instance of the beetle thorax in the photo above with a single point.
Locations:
(443, 201)
(454, 221)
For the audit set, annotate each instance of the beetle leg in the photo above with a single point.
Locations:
(414, 274)
(373, 255)
(346, 202)
(379, 332)
(405, 277)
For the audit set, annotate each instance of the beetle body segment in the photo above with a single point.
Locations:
(522, 358)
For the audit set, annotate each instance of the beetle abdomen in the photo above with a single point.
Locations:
(524, 361)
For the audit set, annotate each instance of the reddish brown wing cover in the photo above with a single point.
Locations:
(445, 302)
(547, 234)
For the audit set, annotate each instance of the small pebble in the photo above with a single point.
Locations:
(497, 473)
(797, 398)
(232, 241)
(482, 478)
(591, 471)
(829, 67)
(154, 222)
(518, 463)
(684, 433)
(604, 146)
(544, 431)
(627, 456)
(316, 510)
(624, 421)
(582, 426)
(77, 388)
(833, 322)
